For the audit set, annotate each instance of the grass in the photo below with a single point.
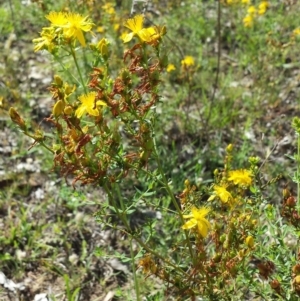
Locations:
(48, 229)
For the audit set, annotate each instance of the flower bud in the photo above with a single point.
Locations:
(163, 30)
(58, 108)
(187, 183)
(102, 47)
(17, 119)
(68, 89)
(297, 279)
(296, 269)
(286, 193)
(68, 110)
(39, 136)
(249, 241)
(58, 81)
(229, 148)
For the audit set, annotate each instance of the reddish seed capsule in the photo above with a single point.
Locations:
(291, 202)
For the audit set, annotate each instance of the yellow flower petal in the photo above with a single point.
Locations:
(170, 68)
(75, 25)
(57, 18)
(135, 24)
(188, 61)
(127, 37)
(80, 111)
(190, 224)
(203, 227)
(224, 195)
(89, 105)
(240, 177)
(197, 218)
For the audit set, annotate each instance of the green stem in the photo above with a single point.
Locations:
(136, 283)
(78, 69)
(113, 203)
(70, 75)
(137, 239)
(298, 171)
(40, 142)
(170, 193)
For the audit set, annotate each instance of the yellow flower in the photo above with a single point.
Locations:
(135, 25)
(240, 177)
(197, 218)
(101, 29)
(57, 19)
(252, 10)
(116, 26)
(296, 31)
(147, 34)
(102, 46)
(46, 40)
(89, 105)
(188, 61)
(224, 195)
(248, 21)
(246, 1)
(262, 7)
(75, 25)
(232, 2)
(108, 7)
(72, 24)
(170, 68)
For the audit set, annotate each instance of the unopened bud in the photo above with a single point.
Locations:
(163, 30)
(249, 241)
(187, 183)
(39, 135)
(286, 193)
(229, 148)
(68, 110)
(58, 81)
(296, 269)
(69, 90)
(17, 119)
(102, 47)
(297, 279)
(58, 108)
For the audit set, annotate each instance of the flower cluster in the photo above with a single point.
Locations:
(253, 12)
(89, 126)
(149, 35)
(64, 27)
(230, 229)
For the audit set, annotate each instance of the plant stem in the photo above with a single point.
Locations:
(298, 172)
(70, 75)
(136, 283)
(170, 193)
(78, 69)
(137, 239)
